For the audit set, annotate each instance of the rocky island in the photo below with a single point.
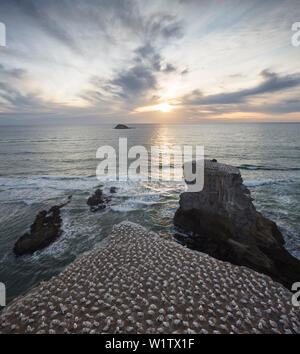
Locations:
(97, 201)
(45, 230)
(121, 126)
(223, 222)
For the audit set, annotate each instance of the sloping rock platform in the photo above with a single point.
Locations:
(45, 230)
(137, 282)
(224, 223)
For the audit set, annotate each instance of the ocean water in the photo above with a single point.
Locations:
(41, 165)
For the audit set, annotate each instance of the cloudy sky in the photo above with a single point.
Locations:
(149, 61)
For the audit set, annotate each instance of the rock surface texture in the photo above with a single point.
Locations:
(137, 282)
(45, 230)
(97, 201)
(113, 190)
(224, 223)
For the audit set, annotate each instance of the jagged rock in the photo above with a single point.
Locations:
(113, 190)
(224, 223)
(121, 126)
(45, 229)
(97, 201)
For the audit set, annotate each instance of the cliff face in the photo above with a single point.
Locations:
(224, 223)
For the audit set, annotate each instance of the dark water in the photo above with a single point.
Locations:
(41, 166)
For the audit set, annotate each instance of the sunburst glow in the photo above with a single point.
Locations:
(165, 107)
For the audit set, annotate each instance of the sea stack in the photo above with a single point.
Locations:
(45, 230)
(224, 223)
(97, 201)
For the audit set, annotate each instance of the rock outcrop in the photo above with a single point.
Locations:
(223, 222)
(137, 282)
(45, 230)
(113, 190)
(121, 126)
(97, 201)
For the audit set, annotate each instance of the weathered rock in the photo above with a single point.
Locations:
(97, 201)
(113, 190)
(224, 223)
(121, 126)
(45, 229)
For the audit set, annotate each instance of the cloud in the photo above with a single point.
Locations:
(107, 57)
(163, 25)
(11, 97)
(271, 83)
(138, 79)
(185, 71)
(14, 100)
(135, 81)
(41, 15)
(16, 73)
(150, 56)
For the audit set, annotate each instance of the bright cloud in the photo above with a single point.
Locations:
(107, 61)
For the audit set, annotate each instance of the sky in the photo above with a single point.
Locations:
(138, 61)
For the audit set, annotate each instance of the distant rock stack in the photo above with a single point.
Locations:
(121, 126)
(224, 223)
(137, 282)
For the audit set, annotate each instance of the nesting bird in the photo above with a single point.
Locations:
(137, 282)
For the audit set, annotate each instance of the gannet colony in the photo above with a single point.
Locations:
(137, 282)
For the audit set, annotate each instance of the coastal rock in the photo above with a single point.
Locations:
(97, 201)
(113, 190)
(224, 223)
(135, 281)
(45, 230)
(121, 126)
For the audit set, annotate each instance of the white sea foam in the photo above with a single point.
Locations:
(257, 183)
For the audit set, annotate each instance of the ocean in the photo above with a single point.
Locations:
(41, 165)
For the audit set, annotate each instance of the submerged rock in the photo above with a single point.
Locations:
(45, 229)
(121, 126)
(224, 223)
(97, 201)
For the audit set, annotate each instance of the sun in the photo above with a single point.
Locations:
(164, 107)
